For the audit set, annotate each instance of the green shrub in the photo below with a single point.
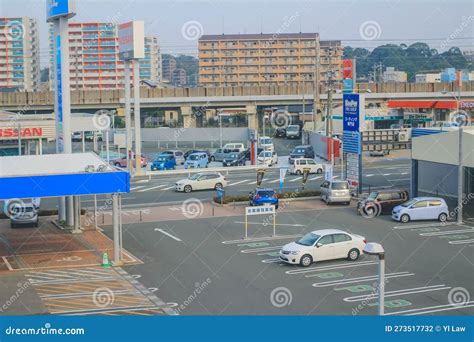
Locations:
(282, 196)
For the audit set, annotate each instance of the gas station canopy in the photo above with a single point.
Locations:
(55, 175)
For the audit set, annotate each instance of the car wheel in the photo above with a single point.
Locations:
(117, 164)
(442, 217)
(298, 172)
(319, 171)
(306, 260)
(188, 189)
(218, 186)
(405, 218)
(353, 254)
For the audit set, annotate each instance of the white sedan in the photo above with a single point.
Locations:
(201, 181)
(267, 158)
(319, 245)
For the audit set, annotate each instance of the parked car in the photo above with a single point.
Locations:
(164, 162)
(381, 202)
(302, 163)
(263, 197)
(196, 160)
(201, 181)
(267, 158)
(234, 146)
(379, 153)
(178, 155)
(421, 208)
(122, 162)
(89, 136)
(234, 159)
(303, 151)
(280, 132)
(221, 153)
(266, 143)
(335, 192)
(188, 153)
(293, 132)
(77, 136)
(325, 244)
(24, 215)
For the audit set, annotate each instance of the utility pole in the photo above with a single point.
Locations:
(329, 122)
(317, 67)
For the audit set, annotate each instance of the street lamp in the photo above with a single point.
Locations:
(373, 248)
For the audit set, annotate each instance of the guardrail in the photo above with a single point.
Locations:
(188, 172)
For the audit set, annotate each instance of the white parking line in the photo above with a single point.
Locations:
(398, 292)
(274, 181)
(265, 238)
(296, 179)
(271, 224)
(416, 226)
(168, 234)
(431, 309)
(263, 249)
(152, 188)
(137, 187)
(330, 267)
(317, 177)
(271, 261)
(335, 268)
(252, 182)
(448, 232)
(10, 268)
(460, 242)
(168, 188)
(369, 175)
(232, 184)
(360, 279)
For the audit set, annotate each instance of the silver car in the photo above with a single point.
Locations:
(335, 192)
(178, 155)
(24, 215)
(222, 153)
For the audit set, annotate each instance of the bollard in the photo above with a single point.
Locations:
(140, 216)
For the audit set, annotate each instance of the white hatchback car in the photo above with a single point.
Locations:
(303, 163)
(266, 143)
(267, 158)
(201, 181)
(421, 208)
(325, 244)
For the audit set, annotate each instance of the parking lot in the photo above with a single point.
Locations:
(202, 265)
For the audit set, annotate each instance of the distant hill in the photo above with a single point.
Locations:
(188, 63)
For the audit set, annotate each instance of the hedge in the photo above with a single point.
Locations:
(282, 196)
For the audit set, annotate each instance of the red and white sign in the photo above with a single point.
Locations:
(347, 68)
(131, 38)
(27, 132)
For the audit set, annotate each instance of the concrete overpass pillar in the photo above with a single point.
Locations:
(188, 120)
(252, 116)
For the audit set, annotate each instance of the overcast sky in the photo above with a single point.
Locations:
(364, 23)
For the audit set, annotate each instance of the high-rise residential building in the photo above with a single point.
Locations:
(179, 77)
(262, 59)
(19, 54)
(168, 67)
(94, 57)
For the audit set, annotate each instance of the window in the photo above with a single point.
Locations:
(384, 197)
(420, 204)
(341, 238)
(326, 240)
(308, 240)
(302, 162)
(340, 186)
(435, 203)
(396, 196)
(311, 162)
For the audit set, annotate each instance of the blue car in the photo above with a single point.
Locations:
(196, 160)
(262, 197)
(164, 162)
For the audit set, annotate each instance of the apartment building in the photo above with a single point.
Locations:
(390, 75)
(19, 54)
(94, 57)
(169, 66)
(262, 59)
(179, 77)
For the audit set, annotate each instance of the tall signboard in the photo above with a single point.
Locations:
(56, 9)
(353, 107)
(131, 38)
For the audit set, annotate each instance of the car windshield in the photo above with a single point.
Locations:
(298, 151)
(265, 154)
(372, 196)
(340, 186)
(265, 193)
(194, 157)
(266, 141)
(308, 240)
(409, 203)
(161, 158)
(195, 176)
(233, 155)
(292, 128)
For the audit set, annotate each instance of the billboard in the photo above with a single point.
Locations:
(131, 37)
(60, 8)
(351, 112)
(347, 68)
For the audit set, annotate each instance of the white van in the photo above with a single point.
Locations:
(301, 163)
(266, 143)
(234, 146)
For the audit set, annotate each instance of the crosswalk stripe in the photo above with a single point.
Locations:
(296, 179)
(137, 187)
(274, 181)
(231, 184)
(152, 188)
(317, 177)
